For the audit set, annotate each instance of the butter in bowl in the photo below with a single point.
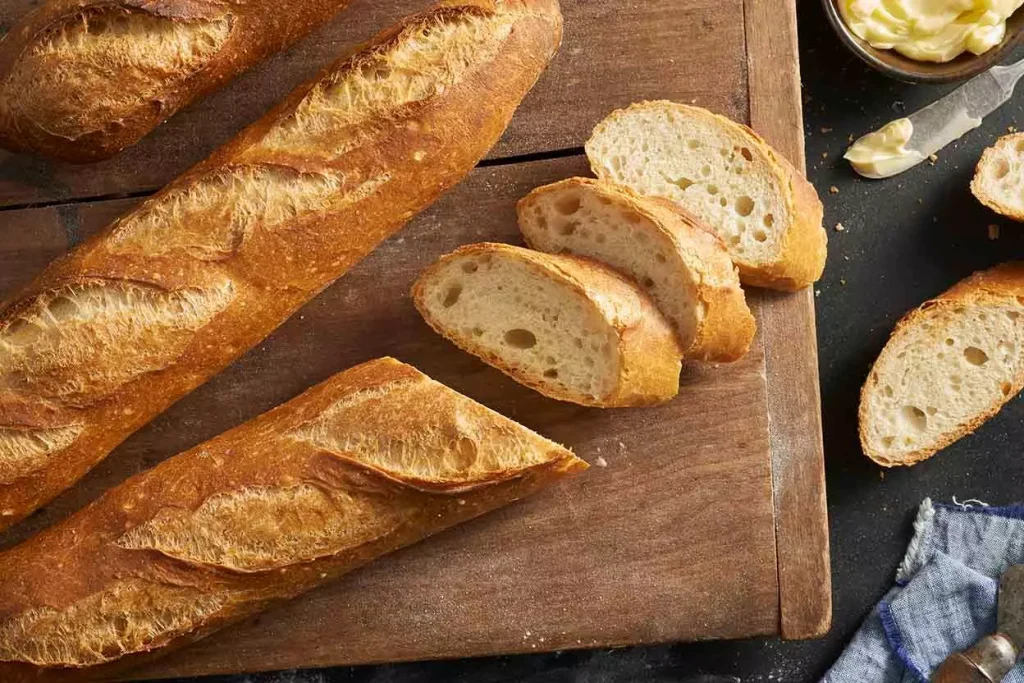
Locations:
(928, 41)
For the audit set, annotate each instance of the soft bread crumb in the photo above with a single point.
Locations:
(998, 181)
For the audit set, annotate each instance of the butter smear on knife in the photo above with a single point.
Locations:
(930, 30)
(884, 153)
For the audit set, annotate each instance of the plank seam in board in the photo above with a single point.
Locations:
(139, 194)
(798, 481)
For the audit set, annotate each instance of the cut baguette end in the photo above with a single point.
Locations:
(765, 211)
(683, 267)
(569, 328)
(998, 181)
(949, 366)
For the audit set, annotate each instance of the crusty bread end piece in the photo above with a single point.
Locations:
(764, 210)
(948, 367)
(684, 267)
(570, 328)
(999, 177)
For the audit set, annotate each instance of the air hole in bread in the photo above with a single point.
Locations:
(478, 331)
(520, 339)
(887, 441)
(705, 170)
(647, 282)
(568, 228)
(723, 201)
(632, 217)
(551, 374)
(744, 205)
(568, 205)
(469, 267)
(931, 410)
(975, 356)
(660, 257)
(746, 154)
(693, 144)
(1006, 388)
(914, 417)
(451, 296)
(712, 189)
(887, 391)
(1020, 145)
(949, 342)
(1001, 169)
(682, 183)
(769, 220)
(760, 236)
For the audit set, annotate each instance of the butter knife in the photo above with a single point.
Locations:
(948, 118)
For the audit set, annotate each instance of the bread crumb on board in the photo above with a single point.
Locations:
(993, 231)
(933, 158)
(601, 462)
(833, 189)
(840, 228)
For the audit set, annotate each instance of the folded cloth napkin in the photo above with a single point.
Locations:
(944, 599)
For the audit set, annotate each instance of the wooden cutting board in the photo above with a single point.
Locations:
(704, 518)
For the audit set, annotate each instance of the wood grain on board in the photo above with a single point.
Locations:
(623, 50)
(672, 540)
(794, 400)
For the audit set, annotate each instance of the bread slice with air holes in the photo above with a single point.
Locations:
(570, 328)
(949, 366)
(999, 177)
(685, 269)
(764, 210)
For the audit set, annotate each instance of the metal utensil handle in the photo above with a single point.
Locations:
(987, 661)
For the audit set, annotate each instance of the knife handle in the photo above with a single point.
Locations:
(987, 661)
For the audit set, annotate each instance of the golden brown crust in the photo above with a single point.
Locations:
(989, 157)
(801, 258)
(726, 329)
(82, 80)
(161, 300)
(649, 354)
(350, 470)
(1005, 281)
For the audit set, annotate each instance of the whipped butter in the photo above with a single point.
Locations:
(884, 153)
(930, 30)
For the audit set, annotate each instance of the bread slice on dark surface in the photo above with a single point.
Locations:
(948, 367)
(685, 269)
(998, 181)
(568, 327)
(764, 210)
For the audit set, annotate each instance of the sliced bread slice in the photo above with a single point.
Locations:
(570, 328)
(684, 268)
(764, 210)
(999, 177)
(949, 366)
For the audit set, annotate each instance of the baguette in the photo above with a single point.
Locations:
(998, 181)
(568, 327)
(949, 366)
(80, 80)
(684, 268)
(164, 298)
(764, 210)
(374, 459)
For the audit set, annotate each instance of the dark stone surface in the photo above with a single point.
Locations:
(905, 240)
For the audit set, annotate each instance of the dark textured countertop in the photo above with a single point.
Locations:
(903, 241)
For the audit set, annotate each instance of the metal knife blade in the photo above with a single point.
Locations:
(946, 119)
(1010, 612)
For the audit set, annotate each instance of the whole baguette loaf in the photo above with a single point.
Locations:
(373, 459)
(568, 327)
(164, 298)
(80, 80)
(949, 366)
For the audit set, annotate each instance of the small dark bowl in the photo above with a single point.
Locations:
(892, 63)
